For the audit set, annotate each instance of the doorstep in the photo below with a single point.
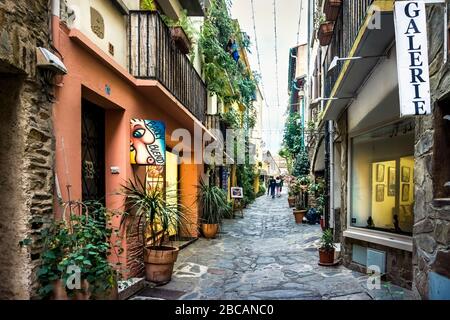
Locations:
(128, 288)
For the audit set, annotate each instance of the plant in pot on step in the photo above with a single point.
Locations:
(153, 218)
(301, 199)
(326, 250)
(214, 205)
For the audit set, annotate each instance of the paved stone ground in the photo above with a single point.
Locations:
(266, 255)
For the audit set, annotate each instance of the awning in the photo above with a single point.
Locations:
(369, 42)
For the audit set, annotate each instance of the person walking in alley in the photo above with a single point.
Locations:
(272, 187)
(278, 186)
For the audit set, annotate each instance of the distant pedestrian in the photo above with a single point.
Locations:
(278, 185)
(272, 187)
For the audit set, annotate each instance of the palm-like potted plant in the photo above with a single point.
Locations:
(153, 217)
(326, 250)
(214, 204)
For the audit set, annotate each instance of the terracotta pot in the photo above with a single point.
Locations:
(159, 264)
(299, 215)
(322, 224)
(59, 290)
(181, 39)
(210, 230)
(326, 256)
(326, 33)
(84, 293)
(291, 201)
(332, 8)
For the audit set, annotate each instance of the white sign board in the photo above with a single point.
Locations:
(412, 58)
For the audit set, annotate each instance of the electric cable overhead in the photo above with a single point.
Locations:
(276, 50)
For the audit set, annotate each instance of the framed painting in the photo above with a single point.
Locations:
(406, 174)
(380, 172)
(380, 193)
(391, 181)
(405, 193)
(237, 193)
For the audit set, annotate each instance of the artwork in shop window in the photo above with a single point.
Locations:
(380, 173)
(380, 193)
(406, 174)
(405, 193)
(391, 182)
(148, 142)
(237, 193)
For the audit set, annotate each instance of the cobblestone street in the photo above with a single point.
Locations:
(265, 255)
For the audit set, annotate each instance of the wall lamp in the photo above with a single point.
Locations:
(336, 59)
(331, 99)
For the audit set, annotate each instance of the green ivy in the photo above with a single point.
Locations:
(230, 80)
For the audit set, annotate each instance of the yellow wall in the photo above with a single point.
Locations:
(115, 26)
(172, 184)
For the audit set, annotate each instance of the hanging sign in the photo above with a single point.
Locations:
(148, 142)
(412, 58)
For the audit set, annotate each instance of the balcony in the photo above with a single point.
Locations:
(153, 56)
(354, 36)
(214, 122)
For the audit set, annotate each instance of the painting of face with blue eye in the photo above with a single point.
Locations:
(147, 142)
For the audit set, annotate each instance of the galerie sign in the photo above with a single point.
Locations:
(412, 58)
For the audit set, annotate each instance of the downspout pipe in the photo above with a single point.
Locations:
(332, 191)
(55, 18)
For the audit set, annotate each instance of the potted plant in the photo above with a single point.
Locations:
(148, 5)
(325, 30)
(153, 217)
(332, 8)
(181, 31)
(326, 250)
(214, 204)
(75, 262)
(300, 189)
(291, 199)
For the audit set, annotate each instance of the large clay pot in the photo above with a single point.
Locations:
(299, 215)
(59, 290)
(326, 256)
(325, 34)
(181, 39)
(111, 294)
(210, 230)
(159, 264)
(291, 201)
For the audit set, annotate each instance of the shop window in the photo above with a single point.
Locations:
(441, 173)
(382, 179)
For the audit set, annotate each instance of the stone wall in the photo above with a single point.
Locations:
(432, 218)
(26, 141)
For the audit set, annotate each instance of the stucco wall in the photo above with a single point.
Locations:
(26, 140)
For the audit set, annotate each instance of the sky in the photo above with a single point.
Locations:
(287, 13)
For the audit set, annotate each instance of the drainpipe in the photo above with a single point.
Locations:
(331, 146)
(328, 186)
(55, 18)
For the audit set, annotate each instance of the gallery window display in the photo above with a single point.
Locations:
(382, 179)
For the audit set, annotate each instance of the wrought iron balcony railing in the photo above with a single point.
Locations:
(346, 29)
(154, 55)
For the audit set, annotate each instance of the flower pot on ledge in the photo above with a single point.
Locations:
(325, 33)
(331, 9)
(181, 39)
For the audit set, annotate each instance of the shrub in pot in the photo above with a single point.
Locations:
(291, 199)
(214, 205)
(154, 218)
(75, 262)
(181, 31)
(326, 250)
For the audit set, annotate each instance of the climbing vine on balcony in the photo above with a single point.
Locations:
(225, 76)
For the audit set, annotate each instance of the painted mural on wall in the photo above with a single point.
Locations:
(148, 142)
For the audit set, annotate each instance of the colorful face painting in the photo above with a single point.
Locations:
(147, 142)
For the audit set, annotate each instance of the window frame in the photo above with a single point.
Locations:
(391, 239)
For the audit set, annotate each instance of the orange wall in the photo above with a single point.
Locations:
(88, 75)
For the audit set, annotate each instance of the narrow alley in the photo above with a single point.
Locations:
(264, 256)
